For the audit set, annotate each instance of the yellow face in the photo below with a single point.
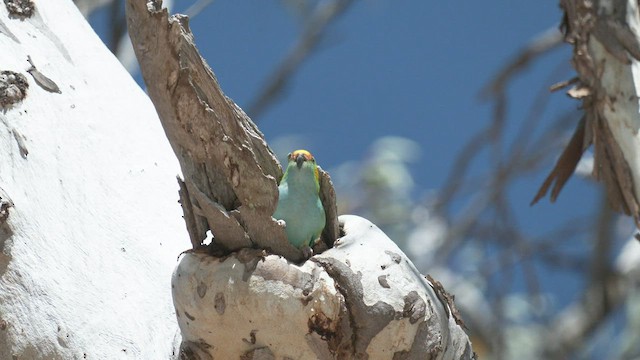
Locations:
(303, 156)
(307, 155)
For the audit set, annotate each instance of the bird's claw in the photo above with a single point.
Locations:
(307, 252)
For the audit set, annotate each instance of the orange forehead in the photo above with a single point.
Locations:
(307, 155)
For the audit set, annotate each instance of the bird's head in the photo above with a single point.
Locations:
(301, 161)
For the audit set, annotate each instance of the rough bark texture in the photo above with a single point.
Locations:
(604, 35)
(361, 299)
(229, 171)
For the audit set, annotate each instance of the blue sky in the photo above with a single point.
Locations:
(406, 68)
(409, 68)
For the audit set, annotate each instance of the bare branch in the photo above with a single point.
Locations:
(313, 33)
(543, 43)
(230, 172)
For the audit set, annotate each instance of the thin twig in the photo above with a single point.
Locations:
(314, 31)
(197, 7)
(543, 43)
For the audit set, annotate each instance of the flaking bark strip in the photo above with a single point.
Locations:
(42, 80)
(591, 30)
(228, 232)
(615, 172)
(196, 235)
(447, 300)
(328, 197)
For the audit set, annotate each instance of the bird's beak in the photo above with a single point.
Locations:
(300, 159)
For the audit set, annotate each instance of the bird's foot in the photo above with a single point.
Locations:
(307, 252)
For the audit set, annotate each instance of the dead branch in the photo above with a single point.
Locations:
(230, 174)
(313, 33)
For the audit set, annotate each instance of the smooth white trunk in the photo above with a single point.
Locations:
(89, 247)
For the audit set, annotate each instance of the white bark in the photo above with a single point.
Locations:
(606, 52)
(620, 81)
(361, 298)
(88, 248)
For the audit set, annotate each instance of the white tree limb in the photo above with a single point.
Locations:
(90, 243)
(362, 298)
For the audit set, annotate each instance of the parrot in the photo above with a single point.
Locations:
(299, 206)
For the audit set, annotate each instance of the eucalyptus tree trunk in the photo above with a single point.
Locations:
(252, 295)
(605, 35)
(90, 226)
(90, 223)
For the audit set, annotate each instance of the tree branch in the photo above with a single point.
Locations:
(308, 41)
(230, 172)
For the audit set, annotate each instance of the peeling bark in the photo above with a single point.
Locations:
(606, 50)
(245, 302)
(230, 173)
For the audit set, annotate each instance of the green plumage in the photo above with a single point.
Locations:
(299, 204)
